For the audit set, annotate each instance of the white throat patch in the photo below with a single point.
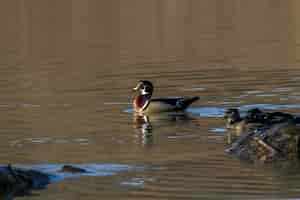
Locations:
(144, 92)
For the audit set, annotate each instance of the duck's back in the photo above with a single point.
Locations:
(169, 104)
(161, 105)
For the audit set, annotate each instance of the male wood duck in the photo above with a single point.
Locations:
(143, 103)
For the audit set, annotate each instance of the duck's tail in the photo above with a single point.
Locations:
(188, 101)
(297, 119)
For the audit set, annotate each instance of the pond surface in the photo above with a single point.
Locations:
(66, 73)
(51, 117)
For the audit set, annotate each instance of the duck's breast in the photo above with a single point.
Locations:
(140, 102)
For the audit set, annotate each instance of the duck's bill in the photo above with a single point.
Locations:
(134, 89)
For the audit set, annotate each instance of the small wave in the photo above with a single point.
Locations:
(182, 136)
(254, 92)
(218, 130)
(293, 97)
(137, 182)
(129, 110)
(48, 140)
(207, 111)
(266, 95)
(198, 89)
(224, 102)
(280, 90)
(27, 105)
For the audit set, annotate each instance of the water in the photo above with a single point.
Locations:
(66, 73)
(176, 156)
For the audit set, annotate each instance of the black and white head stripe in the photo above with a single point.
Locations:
(145, 87)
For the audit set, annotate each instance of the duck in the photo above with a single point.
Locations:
(144, 103)
(235, 122)
(256, 118)
(270, 118)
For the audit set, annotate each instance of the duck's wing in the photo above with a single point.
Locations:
(172, 101)
(176, 102)
(279, 117)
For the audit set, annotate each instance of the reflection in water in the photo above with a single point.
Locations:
(231, 136)
(48, 140)
(142, 122)
(144, 129)
(144, 125)
(207, 111)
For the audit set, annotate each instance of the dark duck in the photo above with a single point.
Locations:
(144, 103)
(256, 118)
(241, 124)
(270, 118)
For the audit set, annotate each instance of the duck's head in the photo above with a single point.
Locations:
(255, 115)
(232, 115)
(144, 87)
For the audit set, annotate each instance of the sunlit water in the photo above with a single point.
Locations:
(88, 121)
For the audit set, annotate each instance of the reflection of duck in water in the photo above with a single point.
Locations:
(143, 103)
(144, 124)
(143, 127)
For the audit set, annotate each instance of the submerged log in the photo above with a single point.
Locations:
(278, 142)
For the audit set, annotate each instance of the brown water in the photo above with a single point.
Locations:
(67, 69)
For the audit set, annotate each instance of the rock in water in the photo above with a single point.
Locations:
(18, 182)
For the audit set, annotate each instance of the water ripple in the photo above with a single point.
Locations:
(207, 111)
(218, 130)
(48, 140)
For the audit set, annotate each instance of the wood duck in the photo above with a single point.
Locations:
(255, 118)
(235, 122)
(143, 103)
(270, 118)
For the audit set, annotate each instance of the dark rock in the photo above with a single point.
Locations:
(20, 182)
